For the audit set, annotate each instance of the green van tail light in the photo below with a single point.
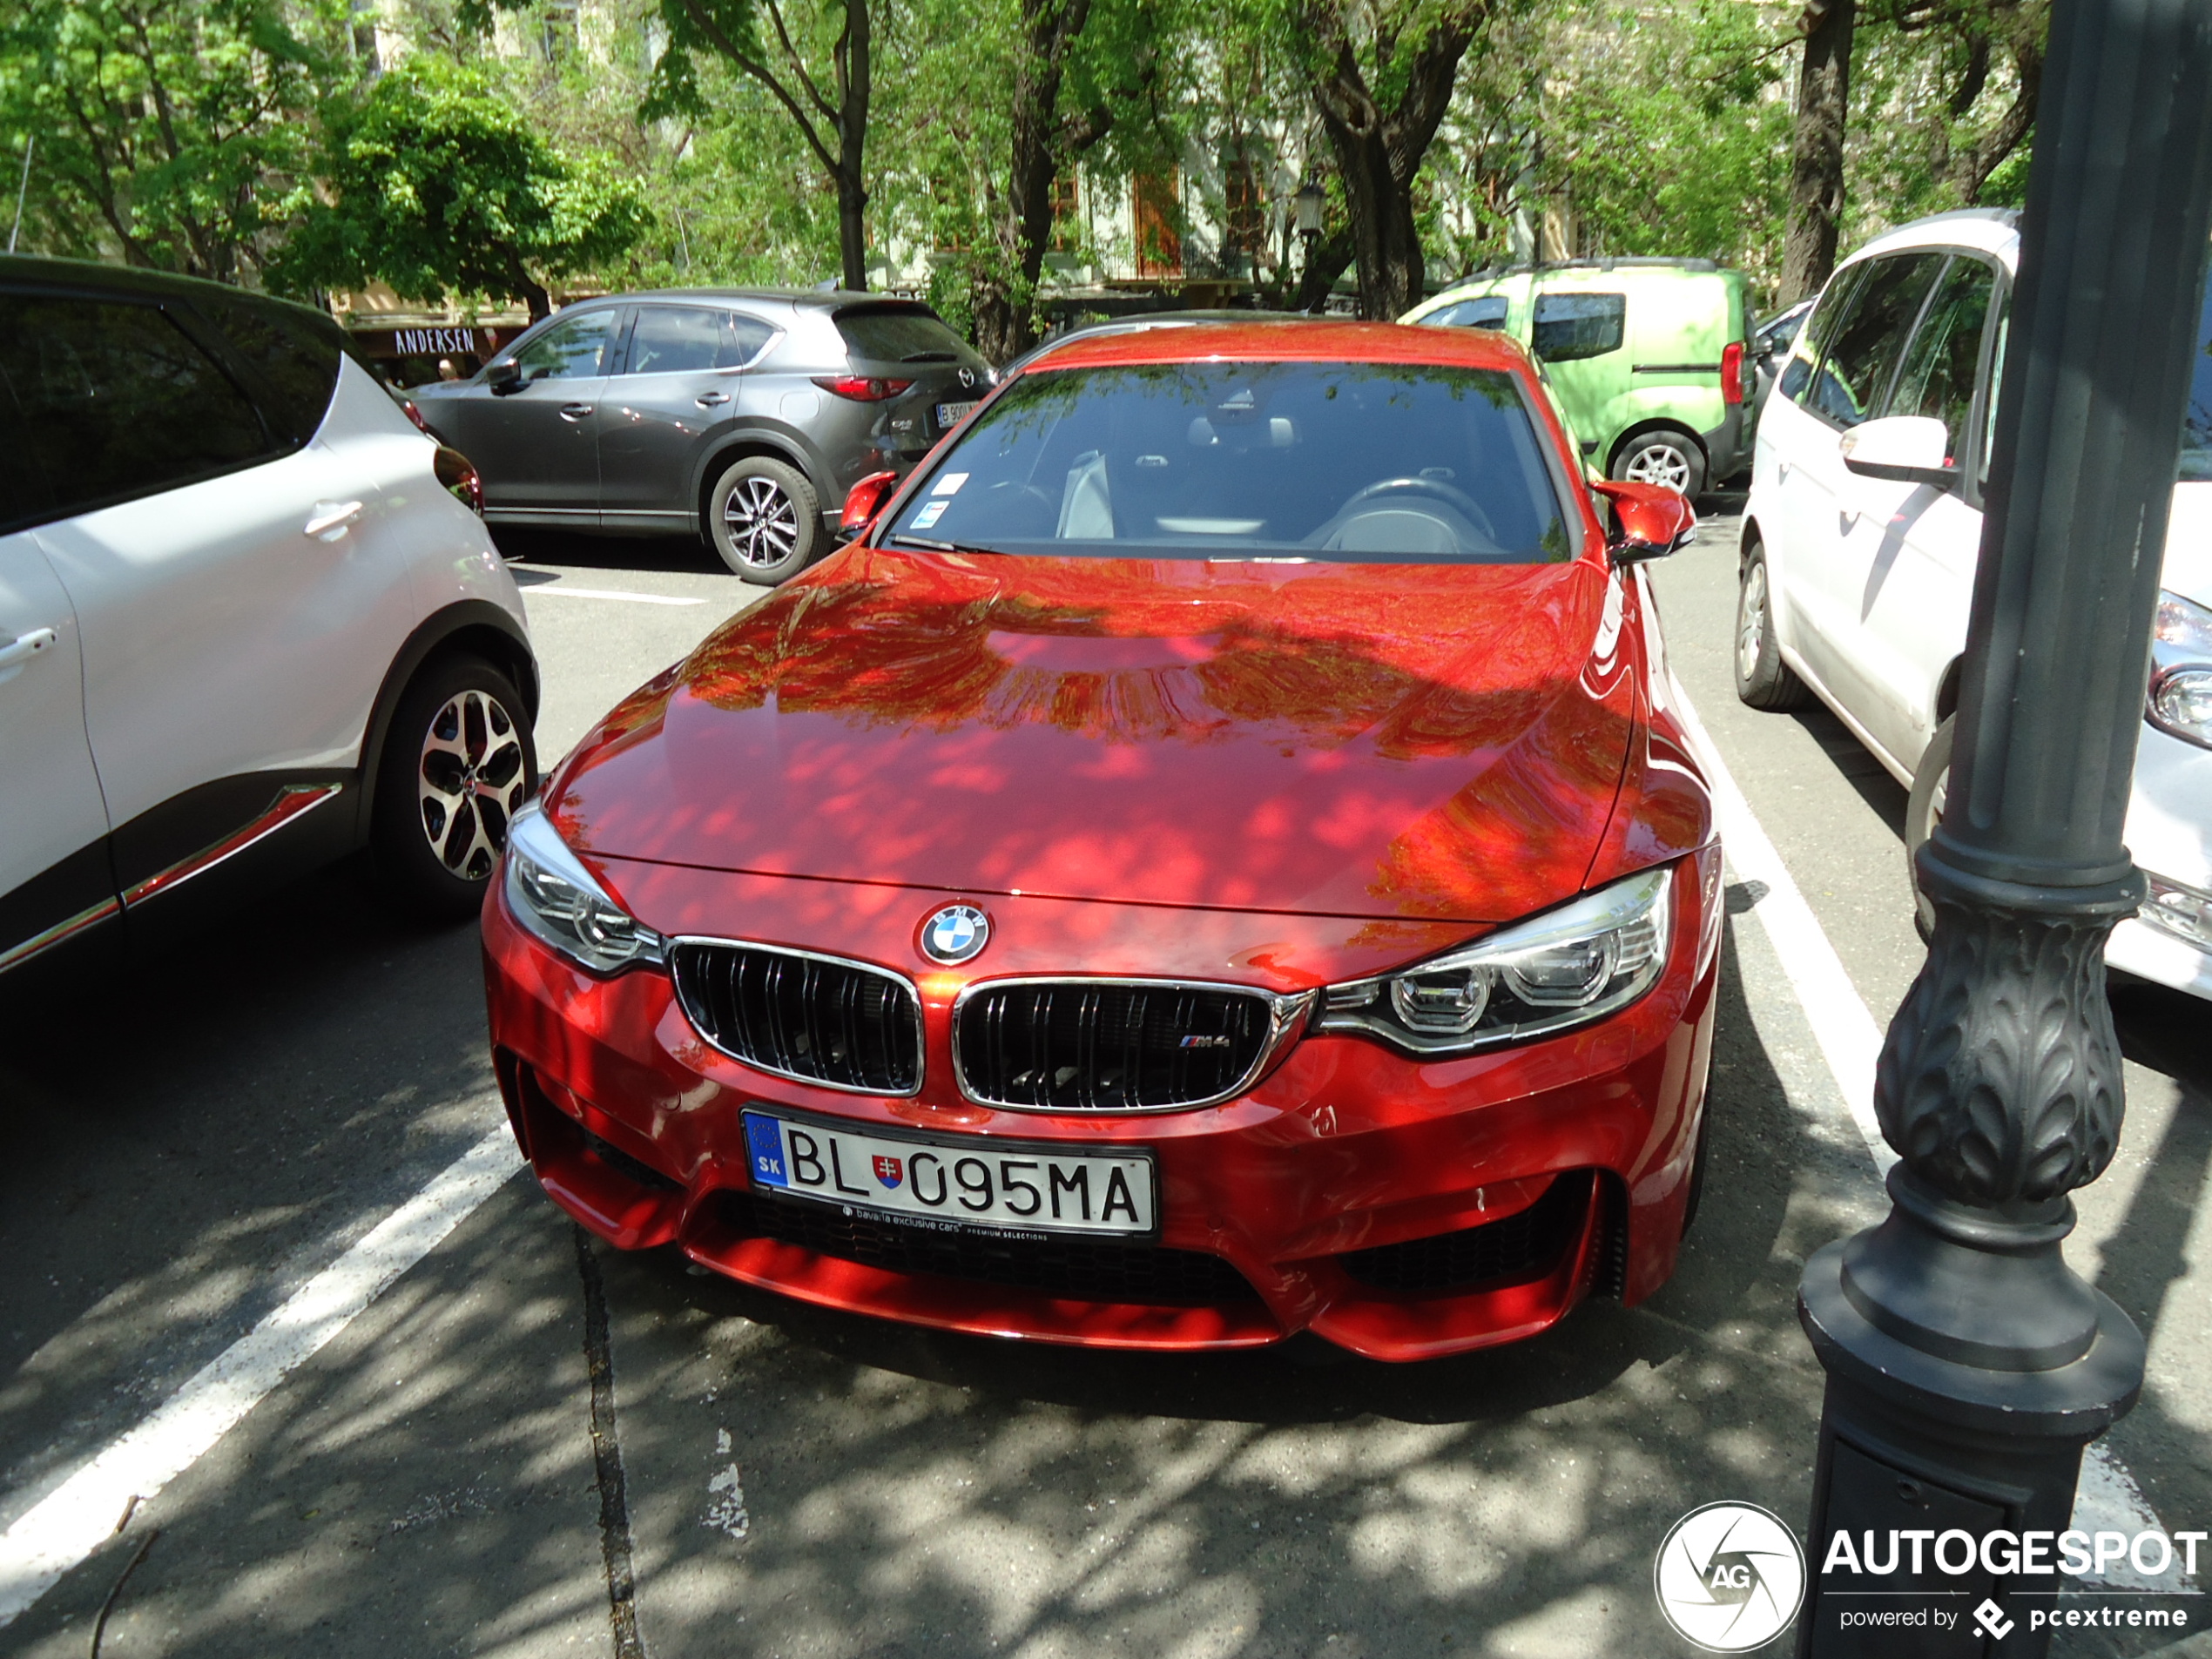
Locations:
(1732, 372)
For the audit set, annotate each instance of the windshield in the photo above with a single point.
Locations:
(1356, 462)
(2196, 424)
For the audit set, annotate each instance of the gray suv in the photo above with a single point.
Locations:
(742, 415)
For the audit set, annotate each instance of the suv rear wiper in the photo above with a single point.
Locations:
(931, 357)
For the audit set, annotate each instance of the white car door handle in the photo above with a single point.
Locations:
(330, 518)
(575, 411)
(708, 400)
(24, 647)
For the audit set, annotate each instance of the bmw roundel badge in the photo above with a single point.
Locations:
(956, 934)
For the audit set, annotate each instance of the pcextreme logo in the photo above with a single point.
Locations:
(1730, 1577)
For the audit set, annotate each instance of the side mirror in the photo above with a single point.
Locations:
(1903, 448)
(863, 501)
(1650, 521)
(504, 377)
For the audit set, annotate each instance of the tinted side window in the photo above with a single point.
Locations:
(752, 335)
(1568, 325)
(1489, 312)
(295, 361)
(681, 340)
(119, 402)
(903, 335)
(568, 350)
(1817, 329)
(23, 493)
(1944, 360)
(1854, 376)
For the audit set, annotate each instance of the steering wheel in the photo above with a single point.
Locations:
(1452, 496)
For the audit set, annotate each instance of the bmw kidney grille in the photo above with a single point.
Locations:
(821, 1020)
(1094, 1045)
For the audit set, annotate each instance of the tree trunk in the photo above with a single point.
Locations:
(856, 67)
(1816, 149)
(1327, 261)
(1970, 170)
(1378, 150)
(1385, 244)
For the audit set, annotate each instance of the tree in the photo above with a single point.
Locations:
(435, 185)
(171, 134)
(1380, 73)
(756, 38)
(1816, 148)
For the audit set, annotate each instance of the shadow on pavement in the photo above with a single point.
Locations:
(899, 1491)
(680, 553)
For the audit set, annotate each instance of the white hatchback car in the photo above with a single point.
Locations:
(1861, 534)
(248, 622)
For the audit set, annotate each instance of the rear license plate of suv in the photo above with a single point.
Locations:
(951, 414)
(941, 1181)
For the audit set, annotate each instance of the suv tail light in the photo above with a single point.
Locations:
(1732, 372)
(862, 389)
(459, 475)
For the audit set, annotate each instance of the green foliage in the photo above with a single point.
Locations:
(171, 133)
(436, 184)
(1672, 138)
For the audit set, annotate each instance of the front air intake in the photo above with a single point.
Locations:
(818, 1019)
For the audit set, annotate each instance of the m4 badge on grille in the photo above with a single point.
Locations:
(1195, 1041)
(956, 933)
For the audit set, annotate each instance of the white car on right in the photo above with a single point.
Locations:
(1864, 525)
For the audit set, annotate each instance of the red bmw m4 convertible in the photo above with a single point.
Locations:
(1210, 860)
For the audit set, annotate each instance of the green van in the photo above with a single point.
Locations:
(1650, 359)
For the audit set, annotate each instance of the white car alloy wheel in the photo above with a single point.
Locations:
(1751, 621)
(470, 777)
(762, 523)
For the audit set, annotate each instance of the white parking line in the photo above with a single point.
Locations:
(561, 590)
(85, 1510)
(1848, 1039)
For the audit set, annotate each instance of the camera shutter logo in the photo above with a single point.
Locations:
(1730, 1577)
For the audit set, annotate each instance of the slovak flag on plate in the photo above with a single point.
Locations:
(890, 1171)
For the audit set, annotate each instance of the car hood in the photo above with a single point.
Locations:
(1429, 741)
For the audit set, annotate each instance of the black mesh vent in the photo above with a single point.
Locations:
(1087, 1046)
(824, 1021)
(1512, 1252)
(1082, 1269)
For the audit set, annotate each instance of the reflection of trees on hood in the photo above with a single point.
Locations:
(1434, 661)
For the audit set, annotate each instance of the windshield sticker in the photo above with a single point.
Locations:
(949, 484)
(930, 513)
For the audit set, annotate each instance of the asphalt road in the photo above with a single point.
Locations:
(525, 1447)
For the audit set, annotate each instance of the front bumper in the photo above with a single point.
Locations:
(1354, 1191)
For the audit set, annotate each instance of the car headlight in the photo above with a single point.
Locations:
(2181, 680)
(1550, 974)
(554, 897)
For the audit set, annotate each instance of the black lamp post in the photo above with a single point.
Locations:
(1967, 1364)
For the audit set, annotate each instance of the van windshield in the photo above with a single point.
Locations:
(1352, 462)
